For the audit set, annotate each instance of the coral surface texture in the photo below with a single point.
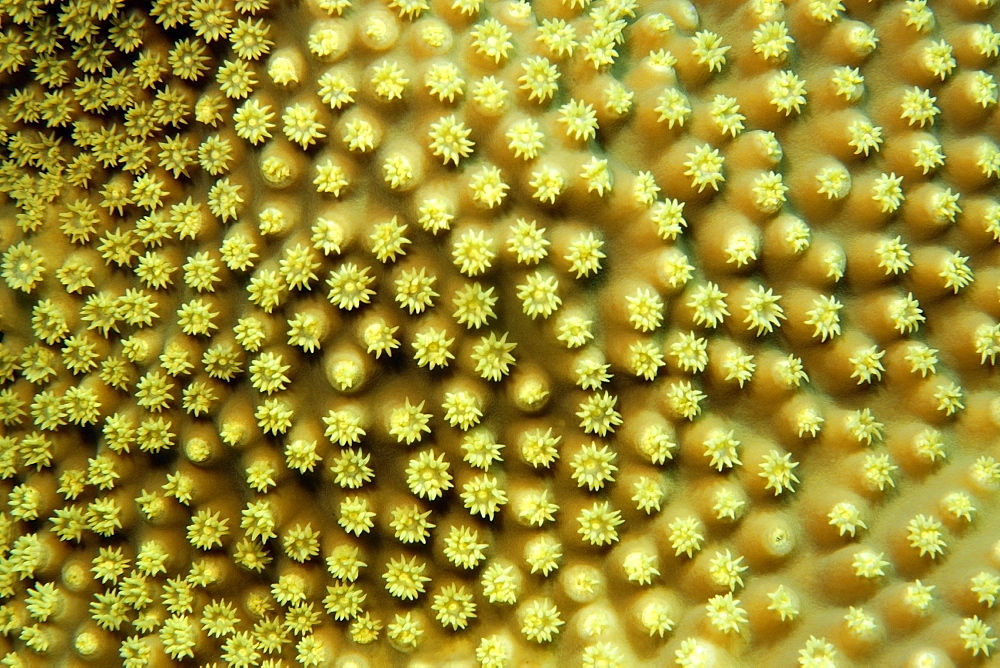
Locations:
(497, 333)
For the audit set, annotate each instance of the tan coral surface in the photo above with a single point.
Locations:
(460, 332)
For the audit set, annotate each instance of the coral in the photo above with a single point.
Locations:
(449, 140)
(686, 535)
(540, 620)
(977, 636)
(367, 333)
(483, 496)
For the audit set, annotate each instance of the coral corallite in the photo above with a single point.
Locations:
(499, 333)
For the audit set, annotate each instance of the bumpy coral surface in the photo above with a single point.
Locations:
(467, 332)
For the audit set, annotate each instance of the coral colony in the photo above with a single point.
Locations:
(494, 333)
